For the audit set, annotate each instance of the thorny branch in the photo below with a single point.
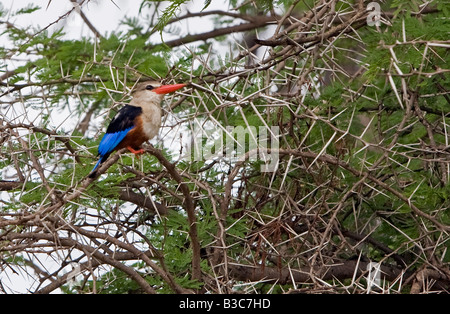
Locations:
(311, 224)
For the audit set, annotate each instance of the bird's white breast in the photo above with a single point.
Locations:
(151, 118)
(151, 112)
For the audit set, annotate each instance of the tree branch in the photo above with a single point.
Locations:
(190, 210)
(69, 243)
(143, 201)
(340, 271)
(85, 19)
(258, 23)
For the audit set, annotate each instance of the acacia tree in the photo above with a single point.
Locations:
(347, 101)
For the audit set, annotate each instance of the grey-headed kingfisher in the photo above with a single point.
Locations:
(136, 122)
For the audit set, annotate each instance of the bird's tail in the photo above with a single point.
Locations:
(94, 170)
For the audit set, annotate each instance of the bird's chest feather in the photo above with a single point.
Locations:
(151, 120)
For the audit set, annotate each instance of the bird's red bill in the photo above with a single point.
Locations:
(164, 89)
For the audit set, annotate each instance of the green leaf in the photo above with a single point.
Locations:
(30, 8)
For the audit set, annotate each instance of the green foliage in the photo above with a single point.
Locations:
(30, 8)
(169, 13)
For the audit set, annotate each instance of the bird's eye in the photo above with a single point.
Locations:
(149, 87)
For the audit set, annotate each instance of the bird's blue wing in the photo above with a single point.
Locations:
(110, 141)
(107, 145)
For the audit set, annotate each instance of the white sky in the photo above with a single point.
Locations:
(105, 15)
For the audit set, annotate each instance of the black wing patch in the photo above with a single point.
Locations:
(124, 119)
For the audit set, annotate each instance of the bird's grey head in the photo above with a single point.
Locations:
(152, 92)
(147, 86)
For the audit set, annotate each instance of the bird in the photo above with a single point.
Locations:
(136, 122)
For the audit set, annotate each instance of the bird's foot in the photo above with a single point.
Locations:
(136, 152)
